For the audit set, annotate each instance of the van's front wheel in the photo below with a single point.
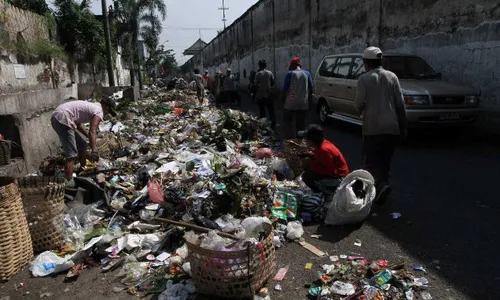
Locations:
(323, 111)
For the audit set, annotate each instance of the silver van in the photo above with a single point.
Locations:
(429, 100)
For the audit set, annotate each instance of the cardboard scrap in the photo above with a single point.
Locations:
(312, 248)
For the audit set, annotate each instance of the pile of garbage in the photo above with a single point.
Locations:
(171, 171)
(353, 277)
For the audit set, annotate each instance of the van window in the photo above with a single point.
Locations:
(358, 68)
(326, 69)
(343, 67)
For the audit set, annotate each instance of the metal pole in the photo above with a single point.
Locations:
(107, 36)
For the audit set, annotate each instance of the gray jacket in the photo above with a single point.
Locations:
(380, 101)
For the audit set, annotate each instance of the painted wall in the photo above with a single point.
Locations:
(460, 39)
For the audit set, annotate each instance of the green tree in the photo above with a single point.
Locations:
(82, 34)
(37, 6)
(169, 63)
(133, 15)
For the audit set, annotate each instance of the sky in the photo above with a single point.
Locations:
(187, 19)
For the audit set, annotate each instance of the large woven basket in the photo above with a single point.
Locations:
(15, 240)
(291, 153)
(5, 151)
(43, 199)
(235, 274)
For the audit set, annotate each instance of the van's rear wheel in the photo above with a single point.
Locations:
(323, 111)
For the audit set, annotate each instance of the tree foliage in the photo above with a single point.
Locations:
(169, 63)
(82, 34)
(137, 17)
(36, 6)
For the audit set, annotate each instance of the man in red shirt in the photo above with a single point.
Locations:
(327, 166)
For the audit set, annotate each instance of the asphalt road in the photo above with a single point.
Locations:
(444, 186)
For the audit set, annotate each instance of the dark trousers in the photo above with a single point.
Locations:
(300, 122)
(321, 183)
(233, 97)
(377, 152)
(267, 103)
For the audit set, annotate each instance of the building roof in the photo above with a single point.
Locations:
(195, 48)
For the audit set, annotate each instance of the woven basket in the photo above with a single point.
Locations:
(103, 147)
(291, 153)
(15, 240)
(236, 274)
(5, 151)
(43, 199)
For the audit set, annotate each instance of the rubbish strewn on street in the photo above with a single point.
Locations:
(183, 192)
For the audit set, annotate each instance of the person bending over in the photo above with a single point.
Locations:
(67, 121)
(326, 165)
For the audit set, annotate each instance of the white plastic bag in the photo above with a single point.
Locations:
(47, 263)
(294, 230)
(254, 225)
(346, 207)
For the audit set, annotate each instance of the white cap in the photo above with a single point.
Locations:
(228, 70)
(372, 53)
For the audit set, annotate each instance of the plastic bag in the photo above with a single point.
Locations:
(133, 272)
(294, 230)
(347, 207)
(178, 291)
(228, 223)
(47, 263)
(253, 225)
(73, 232)
(213, 241)
(155, 192)
(285, 205)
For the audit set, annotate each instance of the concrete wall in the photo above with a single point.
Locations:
(31, 26)
(460, 39)
(32, 112)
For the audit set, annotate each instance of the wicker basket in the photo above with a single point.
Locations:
(291, 154)
(236, 274)
(5, 151)
(15, 240)
(43, 199)
(103, 147)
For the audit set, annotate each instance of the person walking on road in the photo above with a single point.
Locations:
(67, 121)
(297, 91)
(264, 81)
(200, 88)
(380, 103)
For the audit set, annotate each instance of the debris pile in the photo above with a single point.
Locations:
(353, 277)
(172, 174)
(171, 171)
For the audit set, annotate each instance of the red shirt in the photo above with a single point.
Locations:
(328, 161)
